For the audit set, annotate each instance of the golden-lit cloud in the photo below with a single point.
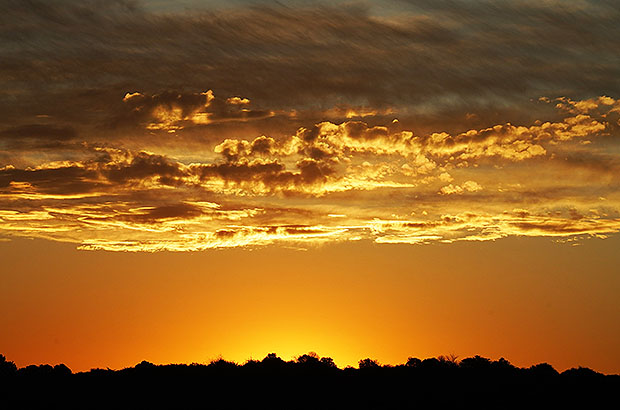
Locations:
(174, 111)
(384, 184)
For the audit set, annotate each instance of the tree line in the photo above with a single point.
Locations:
(308, 381)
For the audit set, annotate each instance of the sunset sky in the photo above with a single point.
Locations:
(181, 180)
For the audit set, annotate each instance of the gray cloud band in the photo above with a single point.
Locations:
(72, 60)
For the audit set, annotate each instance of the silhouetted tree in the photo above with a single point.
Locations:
(413, 362)
(476, 363)
(61, 370)
(144, 366)
(502, 363)
(581, 372)
(7, 368)
(543, 370)
(32, 370)
(273, 362)
(306, 382)
(309, 359)
(503, 367)
(430, 363)
(222, 364)
(328, 362)
(251, 364)
(449, 360)
(368, 364)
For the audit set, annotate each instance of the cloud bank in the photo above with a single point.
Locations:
(124, 128)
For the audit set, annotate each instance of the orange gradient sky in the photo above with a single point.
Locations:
(528, 300)
(376, 178)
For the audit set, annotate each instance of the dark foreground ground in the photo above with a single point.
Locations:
(309, 382)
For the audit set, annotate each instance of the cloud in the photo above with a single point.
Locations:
(33, 131)
(170, 111)
(139, 167)
(125, 129)
(586, 106)
(37, 136)
(324, 158)
(427, 60)
(64, 180)
(467, 186)
(481, 227)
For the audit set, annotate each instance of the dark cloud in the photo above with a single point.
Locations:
(180, 211)
(262, 145)
(271, 175)
(140, 109)
(62, 181)
(601, 163)
(117, 170)
(313, 171)
(241, 172)
(234, 108)
(38, 136)
(143, 166)
(172, 110)
(109, 171)
(44, 131)
(76, 60)
(358, 129)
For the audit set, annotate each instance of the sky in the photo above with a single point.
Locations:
(386, 179)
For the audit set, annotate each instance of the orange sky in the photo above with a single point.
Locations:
(383, 178)
(528, 300)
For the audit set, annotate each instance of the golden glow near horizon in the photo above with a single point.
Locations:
(525, 299)
(383, 178)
